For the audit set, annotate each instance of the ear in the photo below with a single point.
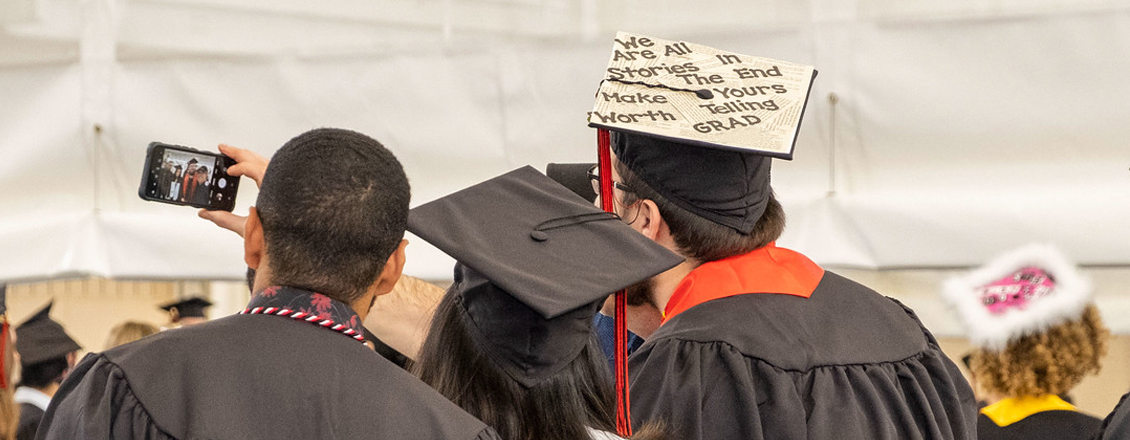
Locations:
(392, 270)
(254, 245)
(649, 221)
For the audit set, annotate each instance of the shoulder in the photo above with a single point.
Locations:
(279, 360)
(841, 323)
(30, 414)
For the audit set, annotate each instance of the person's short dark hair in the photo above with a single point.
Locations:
(698, 238)
(192, 161)
(250, 276)
(202, 170)
(42, 374)
(334, 207)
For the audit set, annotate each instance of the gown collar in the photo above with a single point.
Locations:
(303, 305)
(32, 396)
(769, 269)
(1015, 409)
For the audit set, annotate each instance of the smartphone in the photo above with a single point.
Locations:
(186, 176)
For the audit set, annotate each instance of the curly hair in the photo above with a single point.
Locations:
(1051, 362)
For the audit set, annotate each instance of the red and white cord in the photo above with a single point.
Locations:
(313, 319)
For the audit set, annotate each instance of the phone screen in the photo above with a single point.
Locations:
(185, 176)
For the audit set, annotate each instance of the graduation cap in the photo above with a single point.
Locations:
(534, 264)
(1024, 291)
(699, 124)
(40, 338)
(187, 308)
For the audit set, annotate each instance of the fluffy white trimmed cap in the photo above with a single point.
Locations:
(991, 331)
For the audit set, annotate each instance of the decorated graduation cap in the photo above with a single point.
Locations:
(699, 124)
(192, 307)
(1022, 292)
(40, 338)
(535, 261)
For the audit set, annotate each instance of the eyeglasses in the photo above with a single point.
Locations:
(594, 179)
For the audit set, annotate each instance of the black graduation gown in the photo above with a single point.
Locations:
(30, 415)
(1117, 423)
(1044, 425)
(386, 351)
(250, 377)
(846, 363)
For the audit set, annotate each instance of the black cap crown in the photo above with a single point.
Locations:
(40, 338)
(187, 308)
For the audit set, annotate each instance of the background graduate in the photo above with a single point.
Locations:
(47, 354)
(9, 410)
(1029, 312)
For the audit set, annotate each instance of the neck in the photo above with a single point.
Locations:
(361, 306)
(663, 285)
(50, 389)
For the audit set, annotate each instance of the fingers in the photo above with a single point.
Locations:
(226, 220)
(248, 163)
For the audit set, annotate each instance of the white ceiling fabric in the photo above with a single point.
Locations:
(960, 129)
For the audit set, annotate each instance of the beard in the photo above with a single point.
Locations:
(639, 294)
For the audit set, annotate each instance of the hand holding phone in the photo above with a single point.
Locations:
(186, 176)
(248, 163)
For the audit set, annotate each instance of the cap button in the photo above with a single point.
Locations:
(539, 236)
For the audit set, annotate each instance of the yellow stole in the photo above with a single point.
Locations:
(1015, 409)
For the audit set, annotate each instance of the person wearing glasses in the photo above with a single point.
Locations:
(755, 341)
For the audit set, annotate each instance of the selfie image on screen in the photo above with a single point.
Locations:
(185, 177)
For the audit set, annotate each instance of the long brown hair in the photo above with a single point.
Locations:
(562, 407)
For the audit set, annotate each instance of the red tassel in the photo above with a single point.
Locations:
(623, 403)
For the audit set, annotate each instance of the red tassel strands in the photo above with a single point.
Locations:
(623, 410)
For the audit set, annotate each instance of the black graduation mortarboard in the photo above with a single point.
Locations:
(535, 262)
(699, 124)
(188, 308)
(40, 338)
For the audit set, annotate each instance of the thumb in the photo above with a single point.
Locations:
(226, 220)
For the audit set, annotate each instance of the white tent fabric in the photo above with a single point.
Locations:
(938, 133)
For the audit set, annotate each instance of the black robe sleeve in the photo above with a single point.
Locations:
(95, 402)
(30, 415)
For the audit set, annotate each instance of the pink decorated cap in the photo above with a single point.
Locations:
(1016, 290)
(1024, 291)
